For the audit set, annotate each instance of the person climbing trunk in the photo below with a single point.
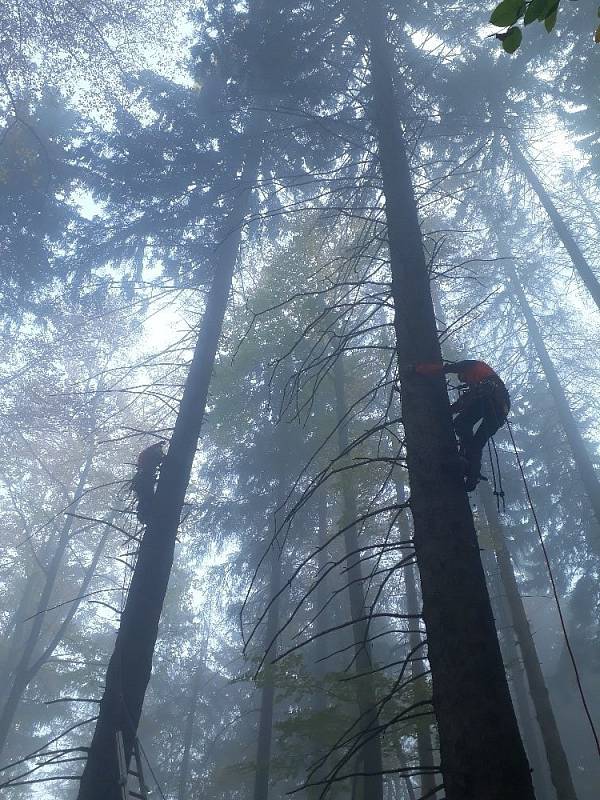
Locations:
(144, 481)
(482, 755)
(481, 409)
(131, 662)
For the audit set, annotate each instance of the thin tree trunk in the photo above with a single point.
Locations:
(321, 594)
(514, 668)
(563, 231)
(370, 747)
(267, 695)
(557, 759)
(482, 755)
(410, 790)
(590, 208)
(319, 701)
(131, 663)
(28, 664)
(579, 449)
(190, 719)
(16, 629)
(424, 740)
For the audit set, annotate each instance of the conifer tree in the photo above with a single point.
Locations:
(482, 754)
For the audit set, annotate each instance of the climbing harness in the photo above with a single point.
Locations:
(555, 594)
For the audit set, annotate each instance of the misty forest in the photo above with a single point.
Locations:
(300, 408)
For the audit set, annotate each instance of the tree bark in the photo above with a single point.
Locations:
(267, 696)
(369, 742)
(581, 455)
(482, 755)
(557, 760)
(563, 231)
(131, 663)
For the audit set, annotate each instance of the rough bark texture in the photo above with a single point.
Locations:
(369, 742)
(131, 663)
(581, 455)
(482, 755)
(557, 759)
(560, 226)
(267, 695)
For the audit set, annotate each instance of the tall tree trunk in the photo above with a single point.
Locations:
(370, 743)
(267, 695)
(583, 195)
(29, 662)
(16, 628)
(424, 739)
(131, 663)
(321, 594)
(559, 766)
(319, 701)
(482, 755)
(190, 719)
(505, 624)
(560, 226)
(514, 668)
(581, 455)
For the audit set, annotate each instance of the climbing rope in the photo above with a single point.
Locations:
(496, 475)
(555, 593)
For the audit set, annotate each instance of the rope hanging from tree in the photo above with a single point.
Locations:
(555, 593)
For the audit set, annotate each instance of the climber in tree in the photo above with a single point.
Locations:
(144, 480)
(484, 401)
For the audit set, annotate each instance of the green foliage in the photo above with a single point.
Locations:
(509, 12)
(539, 10)
(512, 40)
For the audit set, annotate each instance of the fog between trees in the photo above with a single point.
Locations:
(250, 232)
